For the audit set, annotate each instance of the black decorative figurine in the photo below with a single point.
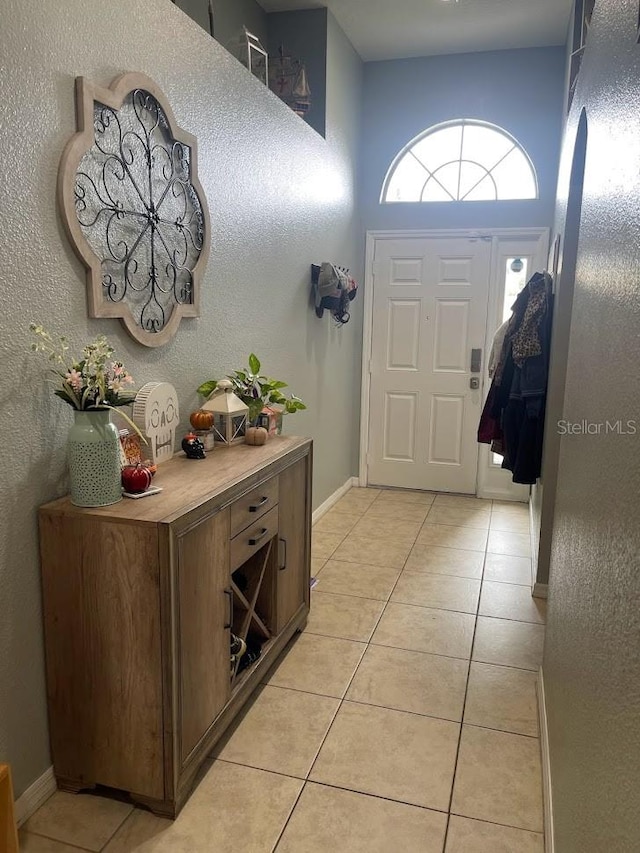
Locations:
(192, 446)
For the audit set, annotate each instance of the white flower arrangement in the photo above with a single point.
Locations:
(95, 381)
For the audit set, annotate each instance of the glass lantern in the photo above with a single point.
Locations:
(230, 414)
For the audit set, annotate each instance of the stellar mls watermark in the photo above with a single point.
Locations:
(585, 427)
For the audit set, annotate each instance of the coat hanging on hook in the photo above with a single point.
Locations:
(333, 289)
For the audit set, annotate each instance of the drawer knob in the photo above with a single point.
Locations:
(261, 502)
(254, 540)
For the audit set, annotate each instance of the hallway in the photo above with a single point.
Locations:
(421, 620)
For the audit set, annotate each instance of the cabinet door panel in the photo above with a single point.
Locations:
(293, 512)
(203, 634)
(101, 601)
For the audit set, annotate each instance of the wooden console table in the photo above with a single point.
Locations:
(139, 601)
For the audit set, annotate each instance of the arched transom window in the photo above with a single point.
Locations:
(461, 161)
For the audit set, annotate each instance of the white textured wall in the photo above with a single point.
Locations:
(591, 659)
(280, 197)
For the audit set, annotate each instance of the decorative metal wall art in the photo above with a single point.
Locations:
(133, 207)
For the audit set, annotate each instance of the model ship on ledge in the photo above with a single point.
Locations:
(288, 79)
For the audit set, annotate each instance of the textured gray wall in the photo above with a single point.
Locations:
(197, 10)
(543, 493)
(229, 16)
(591, 660)
(280, 196)
(520, 90)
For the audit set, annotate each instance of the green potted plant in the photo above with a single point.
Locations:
(256, 391)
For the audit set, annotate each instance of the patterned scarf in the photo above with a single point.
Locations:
(525, 342)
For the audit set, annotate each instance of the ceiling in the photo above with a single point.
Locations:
(395, 29)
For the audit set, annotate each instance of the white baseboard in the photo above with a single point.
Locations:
(540, 590)
(535, 543)
(35, 796)
(333, 499)
(498, 495)
(546, 765)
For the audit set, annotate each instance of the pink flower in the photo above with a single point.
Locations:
(119, 376)
(74, 378)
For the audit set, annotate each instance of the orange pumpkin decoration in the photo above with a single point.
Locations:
(151, 468)
(201, 420)
(256, 435)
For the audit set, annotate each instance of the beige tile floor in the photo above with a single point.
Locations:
(403, 718)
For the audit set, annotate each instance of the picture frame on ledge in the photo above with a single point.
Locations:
(253, 56)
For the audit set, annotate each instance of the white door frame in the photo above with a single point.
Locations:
(367, 323)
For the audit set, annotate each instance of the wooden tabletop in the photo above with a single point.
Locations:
(188, 483)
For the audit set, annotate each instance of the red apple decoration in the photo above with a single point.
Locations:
(136, 478)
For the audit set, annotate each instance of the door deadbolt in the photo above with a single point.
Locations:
(474, 383)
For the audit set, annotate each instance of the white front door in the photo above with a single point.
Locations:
(430, 297)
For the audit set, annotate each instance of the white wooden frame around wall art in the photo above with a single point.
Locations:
(183, 151)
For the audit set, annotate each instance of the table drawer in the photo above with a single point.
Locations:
(253, 538)
(252, 506)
